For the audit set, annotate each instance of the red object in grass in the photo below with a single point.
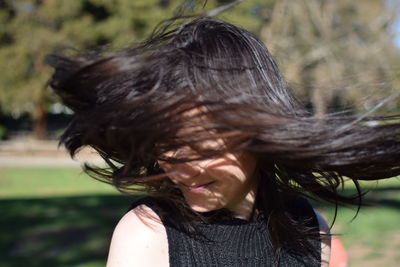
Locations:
(339, 256)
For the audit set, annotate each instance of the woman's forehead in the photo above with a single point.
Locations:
(195, 120)
(197, 131)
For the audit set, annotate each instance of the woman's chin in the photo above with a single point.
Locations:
(201, 208)
(204, 207)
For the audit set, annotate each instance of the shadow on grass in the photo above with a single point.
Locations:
(388, 197)
(68, 231)
(384, 197)
(76, 231)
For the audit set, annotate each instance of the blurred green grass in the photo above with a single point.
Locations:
(56, 217)
(48, 182)
(373, 237)
(61, 217)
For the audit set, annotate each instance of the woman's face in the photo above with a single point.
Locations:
(225, 182)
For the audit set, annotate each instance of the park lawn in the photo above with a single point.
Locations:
(48, 182)
(56, 217)
(61, 217)
(372, 238)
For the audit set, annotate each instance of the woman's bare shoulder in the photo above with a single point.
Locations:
(139, 239)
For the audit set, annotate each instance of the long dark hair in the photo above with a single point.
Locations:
(129, 104)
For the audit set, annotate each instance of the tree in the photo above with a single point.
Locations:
(324, 45)
(334, 50)
(31, 29)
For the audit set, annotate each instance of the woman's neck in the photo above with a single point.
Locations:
(245, 208)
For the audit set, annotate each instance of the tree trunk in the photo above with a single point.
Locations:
(40, 122)
(318, 101)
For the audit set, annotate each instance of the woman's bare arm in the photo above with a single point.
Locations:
(139, 239)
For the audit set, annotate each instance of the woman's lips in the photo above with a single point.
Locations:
(196, 188)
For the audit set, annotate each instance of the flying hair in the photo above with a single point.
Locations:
(132, 105)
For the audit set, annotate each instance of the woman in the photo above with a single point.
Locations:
(200, 118)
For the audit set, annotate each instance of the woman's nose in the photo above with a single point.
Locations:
(187, 170)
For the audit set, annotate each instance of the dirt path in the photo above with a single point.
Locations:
(29, 153)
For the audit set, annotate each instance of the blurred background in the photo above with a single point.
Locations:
(336, 55)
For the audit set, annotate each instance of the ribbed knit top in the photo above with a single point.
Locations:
(232, 243)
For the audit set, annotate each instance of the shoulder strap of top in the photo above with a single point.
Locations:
(160, 208)
(302, 210)
(147, 201)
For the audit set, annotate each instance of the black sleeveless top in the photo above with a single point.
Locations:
(232, 243)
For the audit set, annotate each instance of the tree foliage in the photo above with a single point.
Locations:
(33, 28)
(319, 44)
(334, 52)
